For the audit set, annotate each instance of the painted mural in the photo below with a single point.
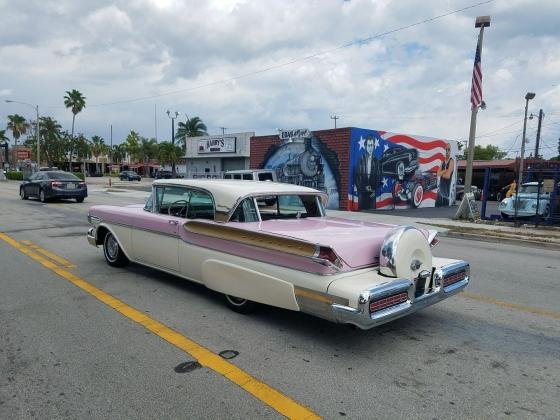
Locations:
(306, 161)
(389, 171)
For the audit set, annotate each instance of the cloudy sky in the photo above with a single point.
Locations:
(259, 65)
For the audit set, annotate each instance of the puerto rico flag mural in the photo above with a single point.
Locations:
(391, 171)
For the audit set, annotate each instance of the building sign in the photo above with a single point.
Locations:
(217, 145)
(23, 154)
(300, 133)
(548, 185)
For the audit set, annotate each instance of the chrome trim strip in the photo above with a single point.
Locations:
(362, 318)
(141, 228)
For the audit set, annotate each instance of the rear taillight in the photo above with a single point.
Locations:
(56, 184)
(82, 184)
(326, 256)
(455, 278)
(387, 302)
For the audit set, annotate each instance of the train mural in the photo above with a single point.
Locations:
(389, 170)
(303, 159)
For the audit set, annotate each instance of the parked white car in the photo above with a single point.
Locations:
(529, 199)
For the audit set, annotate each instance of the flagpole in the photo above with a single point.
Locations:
(481, 22)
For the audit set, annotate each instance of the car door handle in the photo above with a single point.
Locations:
(173, 222)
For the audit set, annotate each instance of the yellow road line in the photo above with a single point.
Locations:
(265, 393)
(519, 307)
(62, 261)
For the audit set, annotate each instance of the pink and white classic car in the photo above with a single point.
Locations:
(283, 252)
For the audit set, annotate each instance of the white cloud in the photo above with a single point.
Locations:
(416, 80)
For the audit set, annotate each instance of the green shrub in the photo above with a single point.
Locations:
(14, 175)
(80, 175)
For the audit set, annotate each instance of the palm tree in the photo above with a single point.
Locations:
(132, 144)
(97, 148)
(76, 102)
(82, 148)
(118, 153)
(148, 150)
(169, 153)
(3, 137)
(193, 127)
(18, 126)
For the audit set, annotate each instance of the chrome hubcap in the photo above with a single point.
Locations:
(111, 247)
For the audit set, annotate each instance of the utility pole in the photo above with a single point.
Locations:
(223, 130)
(528, 97)
(334, 117)
(541, 115)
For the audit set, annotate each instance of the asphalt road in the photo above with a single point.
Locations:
(491, 352)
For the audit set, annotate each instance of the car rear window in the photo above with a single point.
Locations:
(63, 175)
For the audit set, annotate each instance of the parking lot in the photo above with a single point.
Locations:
(81, 339)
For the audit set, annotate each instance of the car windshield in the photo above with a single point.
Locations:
(529, 189)
(63, 175)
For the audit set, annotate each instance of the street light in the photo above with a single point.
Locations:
(36, 108)
(528, 97)
(173, 116)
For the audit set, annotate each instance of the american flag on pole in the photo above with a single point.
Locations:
(476, 88)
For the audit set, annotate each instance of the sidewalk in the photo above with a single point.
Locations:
(483, 230)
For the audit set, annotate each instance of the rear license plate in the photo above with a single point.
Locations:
(70, 185)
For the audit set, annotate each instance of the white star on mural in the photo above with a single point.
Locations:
(361, 143)
(385, 148)
(385, 181)
(376, 143)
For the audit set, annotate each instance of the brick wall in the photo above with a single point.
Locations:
(337, 140)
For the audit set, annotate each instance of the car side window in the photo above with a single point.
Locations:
(290, 207)
(201, 206)
(245, 212)
(149, 206)
(248, 177)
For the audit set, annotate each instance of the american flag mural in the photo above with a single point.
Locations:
(407, 167)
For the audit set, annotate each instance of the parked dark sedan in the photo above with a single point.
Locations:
(129, 176)
(164, 174)
(46, 185)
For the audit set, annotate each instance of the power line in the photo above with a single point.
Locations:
(296, 60)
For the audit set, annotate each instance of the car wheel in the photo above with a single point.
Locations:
(22, 194)
(80, 199)
(240, 305)
(499, 197)
(112, 251)
(417, 195)
(42, 196)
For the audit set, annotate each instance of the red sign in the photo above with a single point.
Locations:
(23, 154)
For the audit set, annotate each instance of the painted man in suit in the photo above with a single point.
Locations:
(367, 176)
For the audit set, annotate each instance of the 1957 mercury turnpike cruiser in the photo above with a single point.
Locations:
(283, 252)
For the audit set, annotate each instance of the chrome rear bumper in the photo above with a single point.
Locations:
(91, 237)
(364, 319)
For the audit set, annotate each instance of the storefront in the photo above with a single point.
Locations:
(210, 156)
(363, 169)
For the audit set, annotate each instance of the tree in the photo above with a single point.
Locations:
(118, 153)
(148, 150)
(193, 127)
(3, 137)
(53, 141)
(76, 102)
(132, 144)
(97, 148)
(169, 153)
(82, 149)
(18, 125)
(489, 152)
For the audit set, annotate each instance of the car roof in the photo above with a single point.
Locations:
(227, 192)
(249, 171)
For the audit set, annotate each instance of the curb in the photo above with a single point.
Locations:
(500, 239)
